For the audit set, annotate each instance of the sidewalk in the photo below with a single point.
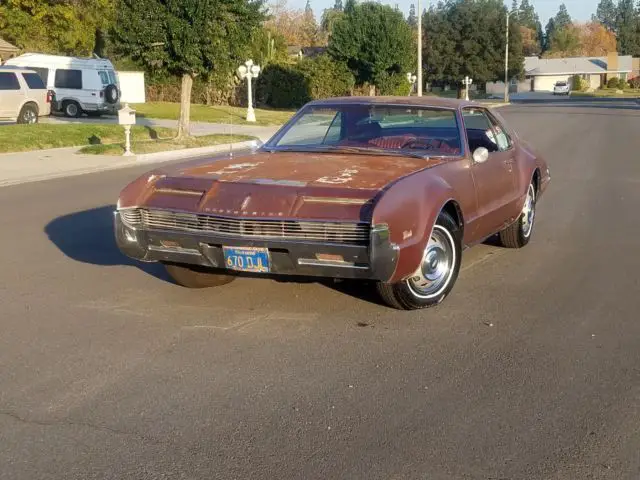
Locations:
(197, 128)
(39, 165)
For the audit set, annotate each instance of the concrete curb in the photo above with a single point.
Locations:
(190, 152)
(118, 162)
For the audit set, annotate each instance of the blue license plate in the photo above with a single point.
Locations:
(246, 259)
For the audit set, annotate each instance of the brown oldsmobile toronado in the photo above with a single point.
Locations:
(389, 189)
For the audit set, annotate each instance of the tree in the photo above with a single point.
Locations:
(562, 18)
(338, 5)
(412, 20)
(606, 14)
(627, 23)
(527, 17)
(329, 18)
(374, 41)
(549, 32)
(530, 41)
(596, 40)
(187, 38)
(68, 27)
(309, 27)
(468, 38)
(566, 42)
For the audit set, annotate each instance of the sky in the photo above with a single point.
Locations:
(580, 10)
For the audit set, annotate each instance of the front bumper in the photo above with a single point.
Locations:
(377, 261)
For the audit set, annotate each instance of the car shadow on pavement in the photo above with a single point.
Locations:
(87, 236)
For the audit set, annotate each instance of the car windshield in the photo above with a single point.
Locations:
(561, 84)
(358, 128)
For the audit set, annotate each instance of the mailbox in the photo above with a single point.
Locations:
(126, 116)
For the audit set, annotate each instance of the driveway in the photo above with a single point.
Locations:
(529, 370)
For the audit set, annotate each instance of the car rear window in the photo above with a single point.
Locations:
(69, 79)
(104, 78)
(9, 81)
(34, 82)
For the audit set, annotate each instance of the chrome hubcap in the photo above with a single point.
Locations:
(72, 110)
(528, 212)
(436, 268)
(30, 116)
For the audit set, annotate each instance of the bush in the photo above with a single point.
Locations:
(617, 83)
(579, 84)
(393, 84)
(291, 86)
(326, 77)
(282, 86)
(635, 83)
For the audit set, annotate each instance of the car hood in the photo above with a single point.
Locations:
(280, 184)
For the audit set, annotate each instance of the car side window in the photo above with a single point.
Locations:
(501, 135)
(9, 81)
(334, 134)
(71, 79)
(34, 82)
(479, 128)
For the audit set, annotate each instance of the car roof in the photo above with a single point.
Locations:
(427, 101)
(14, 67)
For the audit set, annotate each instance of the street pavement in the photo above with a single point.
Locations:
(529, 370)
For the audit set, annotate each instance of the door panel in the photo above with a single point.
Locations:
(495, 179)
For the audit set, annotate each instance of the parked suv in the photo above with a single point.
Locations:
(23, 95)
(562, 88)
(81, 85)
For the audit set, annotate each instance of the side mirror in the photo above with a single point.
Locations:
(480, 155)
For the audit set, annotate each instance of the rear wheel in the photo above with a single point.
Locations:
(192, 276)
(518, 234)
(28, 114)
(437, 273)
(71, 109)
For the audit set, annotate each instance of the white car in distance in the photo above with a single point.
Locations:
(562, 88)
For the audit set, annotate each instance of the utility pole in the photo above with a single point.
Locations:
(506, 62)
(419, 48)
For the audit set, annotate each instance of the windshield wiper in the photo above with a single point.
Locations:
(360, 150)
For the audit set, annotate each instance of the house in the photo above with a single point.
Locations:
(298, 52)
(541, 74)
(7, 50)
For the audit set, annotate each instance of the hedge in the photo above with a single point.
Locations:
(293, 85)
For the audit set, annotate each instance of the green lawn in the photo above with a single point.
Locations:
(22, 138)
(164, 144)
(609, 92)
(213, 114)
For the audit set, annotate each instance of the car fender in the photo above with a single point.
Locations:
(410, 208)
(529, 161)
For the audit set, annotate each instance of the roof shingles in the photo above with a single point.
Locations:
(577, 65)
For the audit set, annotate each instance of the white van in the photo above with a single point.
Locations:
(81, 85)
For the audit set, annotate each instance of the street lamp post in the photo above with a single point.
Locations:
(419, 49)
(467, 83)
(411, 78)
(249, 71)
(506, 61)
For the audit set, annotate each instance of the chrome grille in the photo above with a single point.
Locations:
(331, 232)
(131, 216)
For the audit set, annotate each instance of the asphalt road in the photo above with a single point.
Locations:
(529, 370)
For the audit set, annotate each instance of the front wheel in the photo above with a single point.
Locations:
(28, 115)
(196, 277)
(437, 273)
(518, 234)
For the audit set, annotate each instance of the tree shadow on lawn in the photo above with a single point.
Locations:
(88, 237)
